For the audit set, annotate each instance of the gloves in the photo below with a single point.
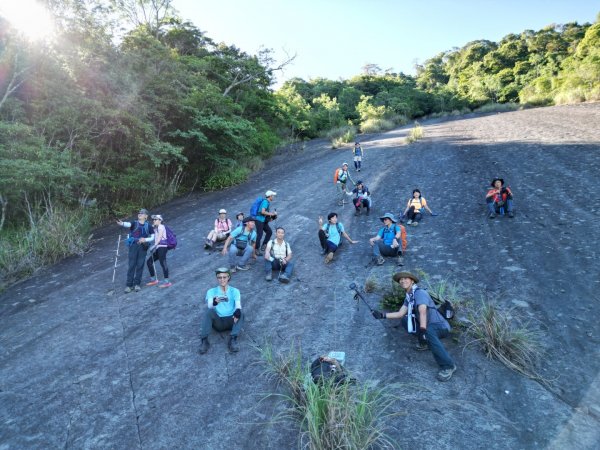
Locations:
(378, 314)
(422, 336)
(237, 313)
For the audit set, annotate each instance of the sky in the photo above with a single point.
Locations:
(335, 38)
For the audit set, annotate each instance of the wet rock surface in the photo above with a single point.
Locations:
(83, 369)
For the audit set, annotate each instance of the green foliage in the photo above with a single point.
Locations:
(376, 125)
(341, 135)
(415, 133)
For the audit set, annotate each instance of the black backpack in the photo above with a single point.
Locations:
(324, 370)
(443, 306)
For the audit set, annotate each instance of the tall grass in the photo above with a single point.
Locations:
(331, 415)
(226, 178)
(341, 135)
(502, 336)
(376, 125)
(497, 107)
(415, 133)
(53, 235)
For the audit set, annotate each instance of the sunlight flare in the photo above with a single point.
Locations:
(30, 17)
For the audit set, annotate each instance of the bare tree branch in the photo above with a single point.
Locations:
(14, 82)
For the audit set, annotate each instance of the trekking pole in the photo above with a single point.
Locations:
(358, 296)
(115, 265)
(154, 263)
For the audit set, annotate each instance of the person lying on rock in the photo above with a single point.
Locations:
(389, 241)
(223, 312)
(414, 208)
(499, 199)
(362, 198)
(244, 239)
(419, 316)
(278, 256)
(221, 230)
(330, 236)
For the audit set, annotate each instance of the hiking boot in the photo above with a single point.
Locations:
(204, 346)
(400, 261)
(340, 203)
(492, 215)
(380, 260)
(128, 290)
(421, 346)
(165, 284)
(329, 257)
(242, 268)
(409, 222)
(269, 277)
(232, 269)
(283, 278)
(446, 374)
(137, 289)
(511, 214)
(263, 248)
(152, 283)
(233, 344)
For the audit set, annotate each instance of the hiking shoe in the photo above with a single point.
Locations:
(329, 257)
(492, 215)
(414, 224)
(340, 203)
(283, 278)
(152, 283)
(233, 344)
(204, 346)
(511, 214)
(446, 374)
(421, 346)
(242, 268)
(128, 290)
(263, 248)
(409, 222)
(137, 289)
(269, 277)
(380, 260)
(166, 284)
(232, 269)
(400, 260)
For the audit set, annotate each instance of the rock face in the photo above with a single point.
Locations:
(82, 369)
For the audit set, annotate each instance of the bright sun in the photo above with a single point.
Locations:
(29, 17)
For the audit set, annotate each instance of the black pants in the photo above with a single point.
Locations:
(412, 215)
(260, 227)
(327, 245)
(161, 254)
(364, 202)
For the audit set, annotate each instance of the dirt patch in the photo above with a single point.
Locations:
(79, 368)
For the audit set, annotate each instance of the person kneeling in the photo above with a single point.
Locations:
(278, 255)
(224, 311)
(420, 316)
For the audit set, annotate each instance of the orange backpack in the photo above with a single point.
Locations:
(335, 175)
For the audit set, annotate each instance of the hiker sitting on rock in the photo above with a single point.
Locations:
(362, 198)
(389, 241)
(278, 256)
(239, 217)
(244, 239)
(141, 235)
(159, 252)
(220, 231)
(330, 235)
(499, 199)
(224, 311)
(414, 207)
(420, 316)
(342, 176)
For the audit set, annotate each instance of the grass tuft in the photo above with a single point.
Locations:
(341, 135)
(331, 415)
(415, 133)
(376, 125)
(370, 284)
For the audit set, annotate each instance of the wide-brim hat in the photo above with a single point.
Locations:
(388, 216)
(248, 219)
(497, 179)
(399, 275)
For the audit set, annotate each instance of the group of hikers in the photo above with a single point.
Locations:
(245, 240)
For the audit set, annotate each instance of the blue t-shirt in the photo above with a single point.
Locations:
(358, 151)
(224, 309)
(264, 204)
(334, 236)
(240, 234)
(422, 298)
(388, 234)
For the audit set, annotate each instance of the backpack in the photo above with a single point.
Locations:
(394, 229)
(171, 238)
(337, 225)
(130, 239)
(336, 176)
(443, 306)
(328, 370)
(254, 209)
